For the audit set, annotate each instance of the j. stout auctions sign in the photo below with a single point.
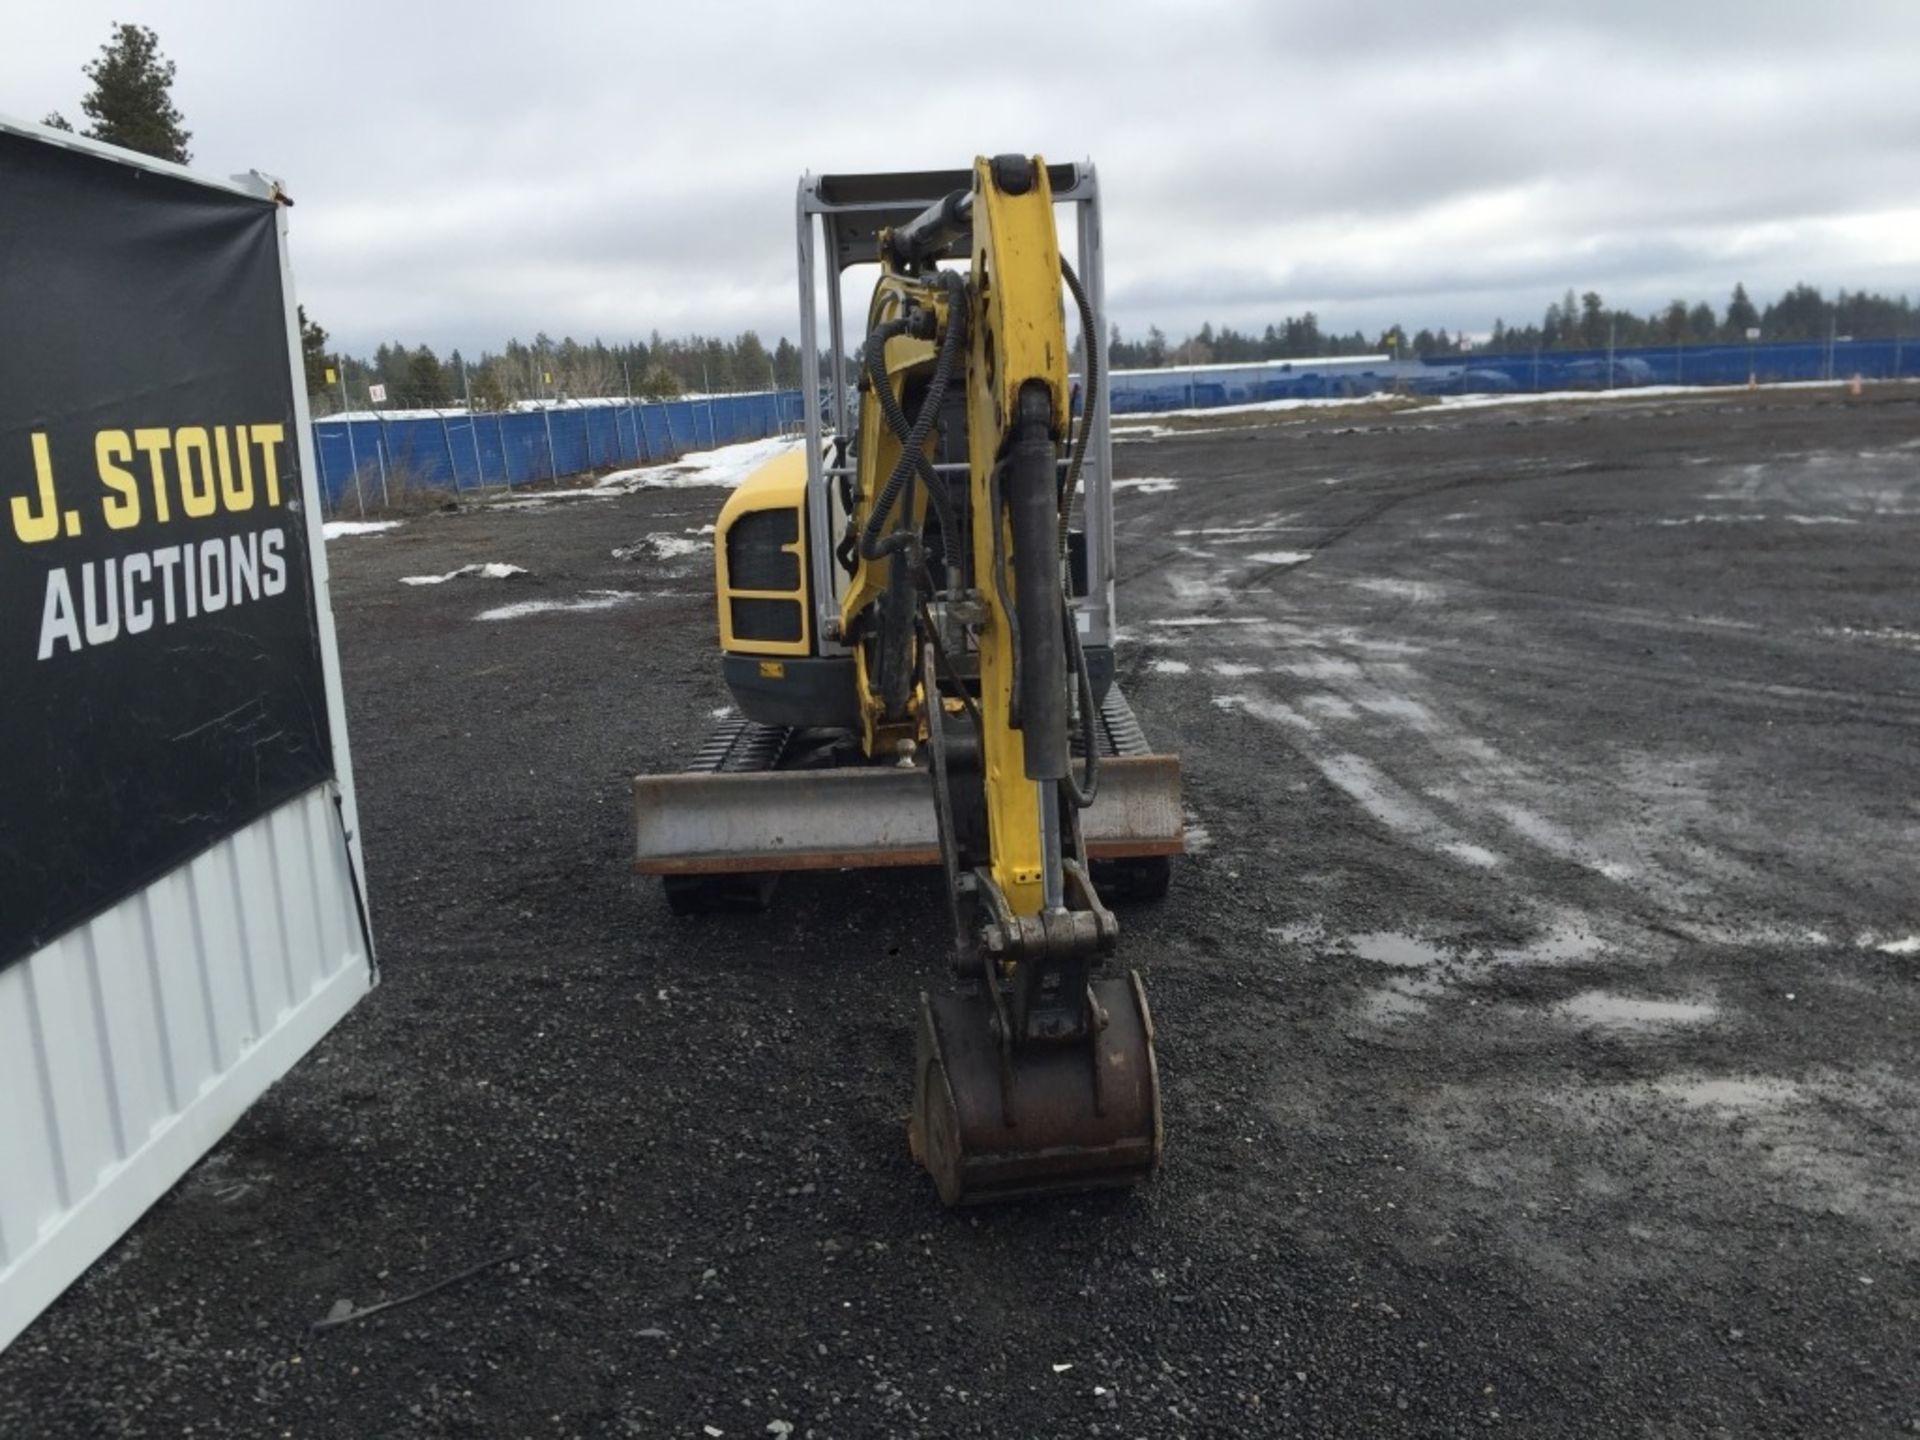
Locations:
(160, 675)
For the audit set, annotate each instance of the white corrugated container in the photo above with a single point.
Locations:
(132, 1043)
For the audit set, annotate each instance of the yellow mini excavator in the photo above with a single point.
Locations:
(916, 621)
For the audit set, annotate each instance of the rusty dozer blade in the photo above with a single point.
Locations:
(1043, 1118)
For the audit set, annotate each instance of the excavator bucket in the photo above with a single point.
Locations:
(994, 1125)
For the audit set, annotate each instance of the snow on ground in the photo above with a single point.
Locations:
(724, 468)
(1147, 487)
(336, 528)
(592, 600)
(492, 570)
(1631, 392)
(1145, 424)
(663, 546)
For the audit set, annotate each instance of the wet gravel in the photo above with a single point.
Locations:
(1536, 1011)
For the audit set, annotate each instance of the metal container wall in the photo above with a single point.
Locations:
(130, 1044)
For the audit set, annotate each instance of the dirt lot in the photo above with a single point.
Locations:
(1537, 1008)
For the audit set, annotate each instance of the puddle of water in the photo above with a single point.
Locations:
(1387, 1006)
(1408, 712)
(1563, 945)
(1331, 706)
(1611, 1010)
(1475, 855)
(1401, 951)
(1728, 1092)
(1299, 932)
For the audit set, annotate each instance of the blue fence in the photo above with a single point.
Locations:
(1136, 391)
(452, 450)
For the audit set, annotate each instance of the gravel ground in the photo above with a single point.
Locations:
(1536, 1009)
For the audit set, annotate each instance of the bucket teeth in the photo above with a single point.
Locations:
(1047, 1118)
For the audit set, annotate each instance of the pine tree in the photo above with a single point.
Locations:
(313, 352)
(426, 380)
(131, 103)
(1593, 320)
(1741, 316)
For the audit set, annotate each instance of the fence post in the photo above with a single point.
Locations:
(453, 466)
(320, 459)
(553, 464)
(353, 450)
(473, 429)
(500, 434)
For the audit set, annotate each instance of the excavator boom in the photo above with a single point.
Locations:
(950, 698)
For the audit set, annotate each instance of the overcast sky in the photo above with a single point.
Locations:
(465, 173)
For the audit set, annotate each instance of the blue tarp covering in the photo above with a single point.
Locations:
(1722, 364)
(452, 450)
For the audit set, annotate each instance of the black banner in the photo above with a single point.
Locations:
(160, 674)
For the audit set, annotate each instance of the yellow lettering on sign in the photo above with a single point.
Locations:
(193, 452)
(154, 443)
(266, 437)
(234, 494)
(112, 450)
(31, 525)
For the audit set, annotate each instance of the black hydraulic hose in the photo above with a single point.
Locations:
(913, 437)
(997, 520)
(1091, 343)
(1082, 792)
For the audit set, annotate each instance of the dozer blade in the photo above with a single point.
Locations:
(1054, 1119)
(706, 824)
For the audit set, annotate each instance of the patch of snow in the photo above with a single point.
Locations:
(592, 600)
(1281, 557)
(1148, 487)
(334, 529)
(1189, 621)
(662, 547)
(723, 468)
(1169, 667)
(492, 570)
(1610, 1010)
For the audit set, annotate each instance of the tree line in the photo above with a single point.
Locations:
(545, 369)
(1803, 313)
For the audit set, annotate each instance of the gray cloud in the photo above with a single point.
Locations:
(468, 174)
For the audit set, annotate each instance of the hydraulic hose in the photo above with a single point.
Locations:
(1090, 343)
(1081, 793)
(913, 438)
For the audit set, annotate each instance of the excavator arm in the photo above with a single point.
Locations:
(1038, 1074)
(900, 619)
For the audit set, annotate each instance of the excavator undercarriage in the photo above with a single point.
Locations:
(916, 622)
